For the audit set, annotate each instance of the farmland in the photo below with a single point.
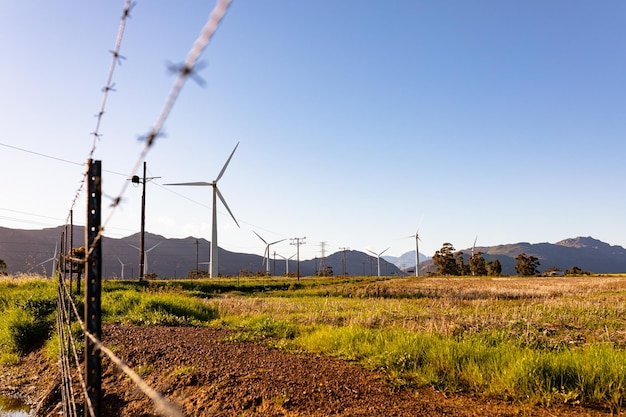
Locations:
(521, 343)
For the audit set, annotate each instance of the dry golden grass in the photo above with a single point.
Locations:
(549, 311)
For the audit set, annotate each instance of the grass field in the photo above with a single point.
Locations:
(533, 340)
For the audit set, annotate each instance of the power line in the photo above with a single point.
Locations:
(56, 158)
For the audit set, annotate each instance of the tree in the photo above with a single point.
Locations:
(477, 264)
(444, 260)
(462, 268)
(3, 267)
(494, 268)
(526, 264)
(576, 271)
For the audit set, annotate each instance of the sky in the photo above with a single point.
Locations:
(357, 121)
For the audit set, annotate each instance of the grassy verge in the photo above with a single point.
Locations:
(27, 308)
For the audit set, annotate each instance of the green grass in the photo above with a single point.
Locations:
(169, 309)
(529, 340)
(28, 308)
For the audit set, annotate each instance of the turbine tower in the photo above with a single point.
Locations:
(121, 263)
(378, 257)
(417, 252)
(473, 247)
(266, 254)
(214, 269)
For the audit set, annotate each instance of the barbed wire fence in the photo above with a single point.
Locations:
(81, 392)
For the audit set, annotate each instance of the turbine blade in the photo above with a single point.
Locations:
(372, 252)
(226, 164)
(136, 247)
(384, 251)
(148, 250)
(201, 184)
(259, 237)
(217, 190)
(278, 241)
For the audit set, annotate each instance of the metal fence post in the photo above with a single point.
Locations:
(93, 285)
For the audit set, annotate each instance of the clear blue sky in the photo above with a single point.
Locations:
(356, 119)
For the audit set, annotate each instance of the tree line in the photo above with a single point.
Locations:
(450, 263)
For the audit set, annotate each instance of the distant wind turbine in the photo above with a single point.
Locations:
(286, 262)
(417, 251)
(214, 269)
(266, 254)
(121, 263)
(145, 256)
(378, 257)
(53, 259)
(473, 247)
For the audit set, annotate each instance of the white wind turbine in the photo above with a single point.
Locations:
(417, 251)
(266, 254)
(378, 257)
(213, 270)
(473, 247)
(121, 263)
(53, 259)
(145, 256)
(286, 262)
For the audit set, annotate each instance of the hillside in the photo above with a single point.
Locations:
(24, 250)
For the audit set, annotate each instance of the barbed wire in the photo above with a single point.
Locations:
(67, 321)
(184, 71)
(115, 61)
(162, 406)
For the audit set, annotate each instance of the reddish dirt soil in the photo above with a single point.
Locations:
(205, 375)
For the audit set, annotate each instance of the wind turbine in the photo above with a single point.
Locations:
(121, 263)
(266, 255)
(145, 256)
(286, 262)
(213, 271)
(473, 247)
(53, 259)
(378, 257)
(417, 251)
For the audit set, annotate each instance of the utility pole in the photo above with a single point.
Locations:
(297, 241)
(344, 260)
(136, 180)
(197, 272)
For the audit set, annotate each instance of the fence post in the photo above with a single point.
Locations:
(93, 285)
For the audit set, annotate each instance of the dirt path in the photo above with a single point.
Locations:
(207, 376)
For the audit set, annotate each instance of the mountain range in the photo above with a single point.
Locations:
(586, 253)
(31, 251)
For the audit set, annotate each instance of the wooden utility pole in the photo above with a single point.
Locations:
(298, 241)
